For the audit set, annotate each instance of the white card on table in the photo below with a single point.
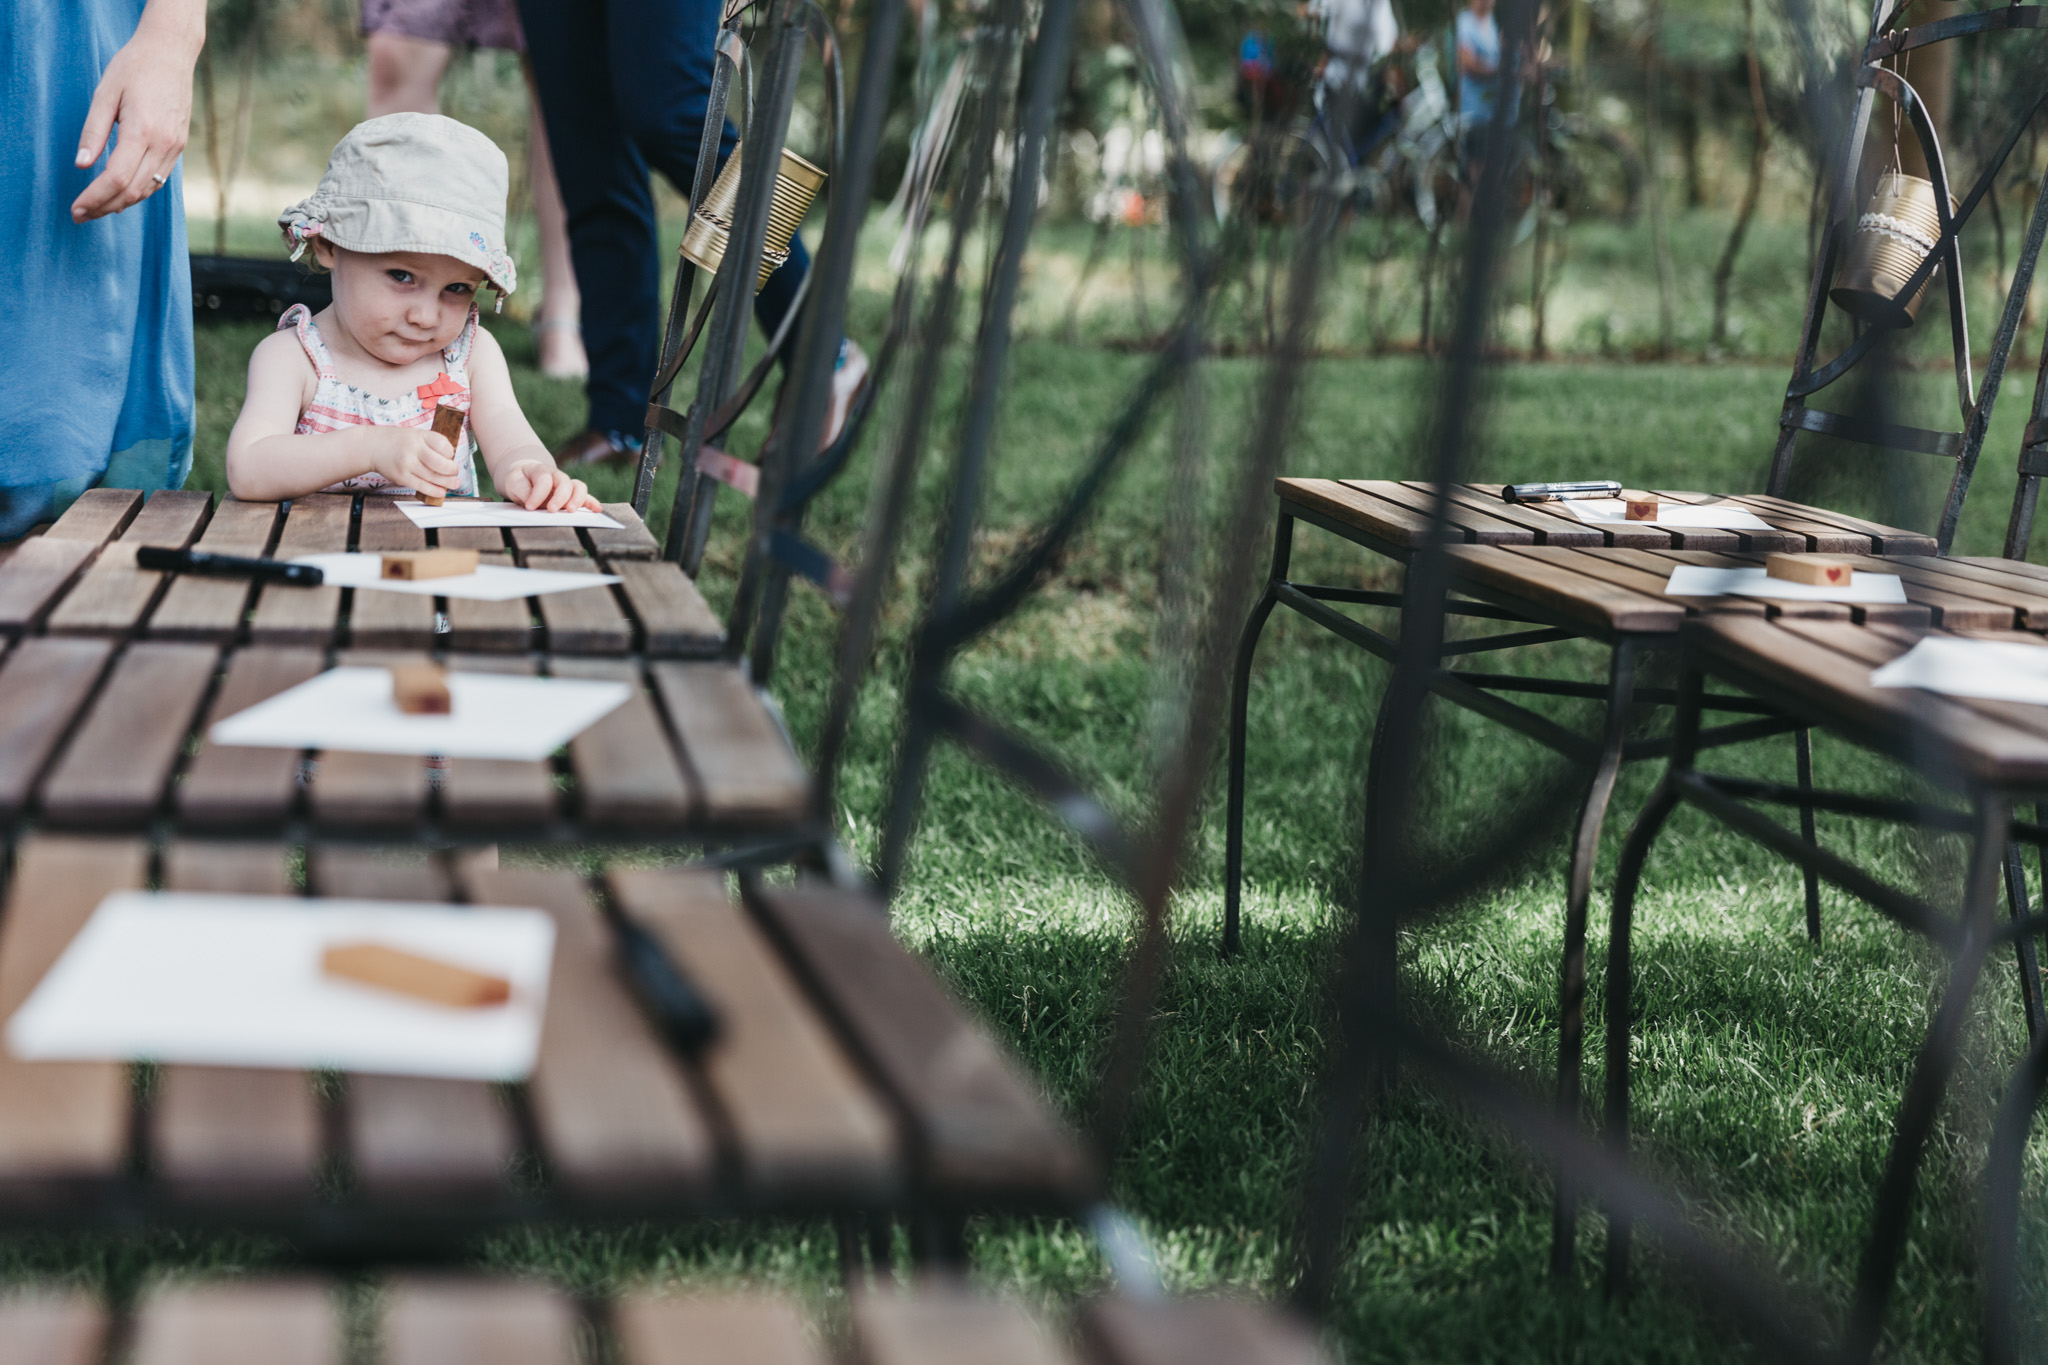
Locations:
(1989, 669)
(218, 980)
(490, 582)
(492, 715)
(480, 513)
(1713, 516)
(1699, 580)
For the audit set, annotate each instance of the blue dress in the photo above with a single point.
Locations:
(95, 318)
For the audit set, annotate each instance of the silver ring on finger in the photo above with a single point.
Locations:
(160, 179)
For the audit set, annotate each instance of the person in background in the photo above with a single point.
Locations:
(1360, 80)
(95, 283)
(411, 43)
(625, 85)
(1478, 74)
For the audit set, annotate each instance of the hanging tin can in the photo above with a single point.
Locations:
(797, 183)
(1898, 231)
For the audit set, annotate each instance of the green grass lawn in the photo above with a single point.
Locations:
(1767, 1068)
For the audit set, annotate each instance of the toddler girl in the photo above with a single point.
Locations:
(410, 218)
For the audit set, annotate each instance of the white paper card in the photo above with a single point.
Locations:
(490, 583)
(235, 981)
(1719, 516)
(492, 716)
(1990, 669)
(496, 514)
(1698, 580)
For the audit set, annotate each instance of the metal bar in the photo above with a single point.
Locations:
(1802, 755)
(1542, 729)
(1719, 737)
(2002, 1172)
(1336, 622)
(1240, 702)
(1485, 643)
(809, 391)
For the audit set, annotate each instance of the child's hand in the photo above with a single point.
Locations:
(537, 485)
(413, 458)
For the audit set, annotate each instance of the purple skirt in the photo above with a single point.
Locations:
(459, 23)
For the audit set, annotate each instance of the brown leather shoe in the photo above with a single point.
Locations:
(591, 446)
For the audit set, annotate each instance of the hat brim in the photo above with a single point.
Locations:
(375, 226)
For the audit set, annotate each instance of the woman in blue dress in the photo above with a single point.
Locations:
(95, 285)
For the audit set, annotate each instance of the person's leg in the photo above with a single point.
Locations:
(608, 201)
(405, 74)
(557, 323)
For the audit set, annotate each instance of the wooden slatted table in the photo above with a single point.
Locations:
(845, 1079)
(79, 580)
(1552, 578)
(1974, 762)
(111, 735)
(447, 1320)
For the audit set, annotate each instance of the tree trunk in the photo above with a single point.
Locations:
(1724, 269)
(1660, 232)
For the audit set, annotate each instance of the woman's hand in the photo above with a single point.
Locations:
(412, 458)
(537, 485)
(147, 91)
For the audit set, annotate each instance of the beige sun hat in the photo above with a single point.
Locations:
(412, 182)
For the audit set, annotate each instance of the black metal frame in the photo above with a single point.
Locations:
(1967, 938)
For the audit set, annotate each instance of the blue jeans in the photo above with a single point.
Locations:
(624, 86)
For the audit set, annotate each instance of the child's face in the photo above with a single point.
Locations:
(400, 306)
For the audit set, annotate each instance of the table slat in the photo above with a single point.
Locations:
(631, 541)
(1752, 542)
(744, 768)
(494, 626)
(1633, 537)
(360, 791)
(587, 621)
(119, 759)
(278, 1322)
(59, 1121)
(982, 1128)
(239, 1134)
(488, 539)
(97, 516)
(43, 684)
(414, 1139)
(803, 1116)
(1821, 537)
(945, 1325)
(1388, 522)
(384, 527)
(1647, 572)
(1884, 540)
(1205, 1331)
(495, 793)
(1552, 579)
(614, 1112)
(35, 574)
(545, 540)
(285, 615)
(1480, 527)
(2028, 595)
(435, 1321)
(627, 774)
(1957, 604)
(204, 607)
(727, 1330)
(1547, 530)
(674, 618)
(48, 1329)
(238, 786)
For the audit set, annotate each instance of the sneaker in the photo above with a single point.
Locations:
(849, 377)
(591, 446)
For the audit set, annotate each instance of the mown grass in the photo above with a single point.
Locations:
(1768, 1068)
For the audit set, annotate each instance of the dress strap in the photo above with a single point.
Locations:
(456, 354)
(300, 319)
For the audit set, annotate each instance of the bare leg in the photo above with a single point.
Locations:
(556, 326)
(405, 74)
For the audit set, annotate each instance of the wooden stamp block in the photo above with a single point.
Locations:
(1820, 570)
(424, 978)
(421, 689)
(1642, 509)
(417, 564)
(448, 426)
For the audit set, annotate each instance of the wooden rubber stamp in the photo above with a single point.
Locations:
(421, 689)
(413, 565)
(448, 426)
(423, 978)
(1822, 571)
(1642, 509)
